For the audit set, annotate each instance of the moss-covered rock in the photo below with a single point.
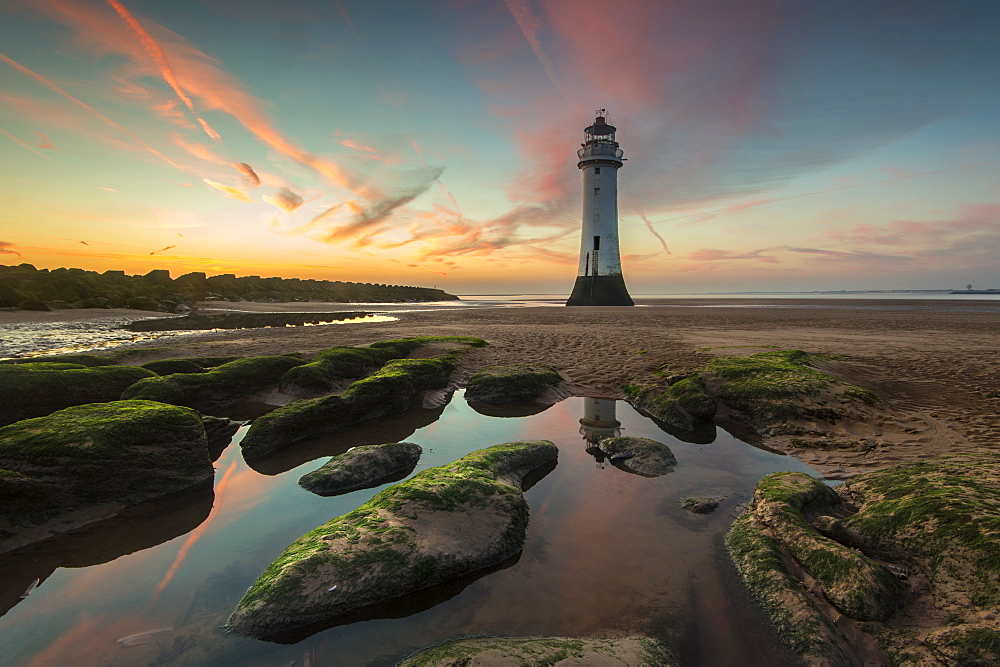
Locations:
(811, 553)
(512, 383)
(392, 389)
(81, 359)
(362, 468)
(171, 366)
(941, 519)
(36, 389)
(702, 504)
(549, 651)
(684, 405)
(439, 525)
(773, 541)
(773, 390)
(219, 387)
(639, 456)
(331, 367)
(85, 463)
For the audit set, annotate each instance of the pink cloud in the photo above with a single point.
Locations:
(715, 255)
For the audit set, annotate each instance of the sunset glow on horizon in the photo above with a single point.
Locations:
(771, 146)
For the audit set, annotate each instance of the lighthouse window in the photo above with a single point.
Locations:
(597, 170)
(597, 243)
(597, 191)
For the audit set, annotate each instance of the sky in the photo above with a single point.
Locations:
(771, 146)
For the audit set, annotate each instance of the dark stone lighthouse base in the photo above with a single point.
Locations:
(599, 291)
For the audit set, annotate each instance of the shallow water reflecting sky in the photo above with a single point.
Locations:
(607, 553)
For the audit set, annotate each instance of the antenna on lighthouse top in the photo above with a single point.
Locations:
(602, 114)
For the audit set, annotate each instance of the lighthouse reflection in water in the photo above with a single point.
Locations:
(599, 422)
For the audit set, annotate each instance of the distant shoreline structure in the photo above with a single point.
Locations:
(27, 288)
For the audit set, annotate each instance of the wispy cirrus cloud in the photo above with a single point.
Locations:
(51, 86)
(229, 191)
(159, 57)
(7, 249)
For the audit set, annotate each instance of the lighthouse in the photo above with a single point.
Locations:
(599, 281)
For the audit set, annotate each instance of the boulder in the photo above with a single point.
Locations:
(624, 652)
(775, 532)
(439, 525)
(684, 405)
(331, 367)
(171, 366)
(702, 505)
(512, 383)
(36, 389)
(639, 456)
(362, 468)
(780, 392)
(86, 463)
(219, 387)
(390, 390)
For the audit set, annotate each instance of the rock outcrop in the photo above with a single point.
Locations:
(36, 389)
(439, 525)
(624, 652)
(390, 390)
(685, 405)
(831, 567)
(639, 456)
(513, 383)
(329, 368)
(86, 463)
(702, 504)
(362, 468)
(216, 388)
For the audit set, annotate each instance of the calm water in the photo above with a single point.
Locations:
(607, 553)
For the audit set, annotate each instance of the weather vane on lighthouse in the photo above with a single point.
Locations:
(599, 281)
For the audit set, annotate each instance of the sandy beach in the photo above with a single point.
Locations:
(935, 361)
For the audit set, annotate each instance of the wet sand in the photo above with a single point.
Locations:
(935, 361)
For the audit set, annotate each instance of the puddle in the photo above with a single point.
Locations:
(607, 553)
(33, 338)
(253, 321)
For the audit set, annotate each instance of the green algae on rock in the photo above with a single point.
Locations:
(171, 366)
(221, 386)
(36, 389)
(550, 651)
(362, 468)
(391, 389)
(935, 522)
(329, 367)
(773, 541)
(441, 524)
(85, 463)
(512, 383)
(684, 405)
(639, 456)
(774, 388)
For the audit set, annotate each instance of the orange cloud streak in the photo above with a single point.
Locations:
(156, 52)
(22, 143)
(199, 74)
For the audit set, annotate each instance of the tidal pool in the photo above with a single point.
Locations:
(607, 553)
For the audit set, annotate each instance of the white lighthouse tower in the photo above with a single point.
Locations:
(599, 281)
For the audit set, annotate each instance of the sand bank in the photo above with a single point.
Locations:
(935, 361)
